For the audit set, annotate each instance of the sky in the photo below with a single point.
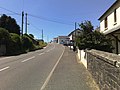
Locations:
(54, 17)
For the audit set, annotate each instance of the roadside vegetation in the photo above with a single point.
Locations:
(92, 39)
(14, 42)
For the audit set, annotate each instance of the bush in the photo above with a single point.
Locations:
(95, 40)
(27, 43)
(42, 44)
(90, 39)
(15, 45)
(4, 36)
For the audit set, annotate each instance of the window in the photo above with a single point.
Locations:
(115, 16)
(106, 23)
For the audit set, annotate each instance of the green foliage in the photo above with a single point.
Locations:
(90, 39)
(86, 27)
(42, 44)
(9, 24)
(4, 36)
(15, 44)
(27, 43)
(31, 35)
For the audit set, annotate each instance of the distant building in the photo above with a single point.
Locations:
(55, 40)
(63, 40)
(74, 34)
(110, 25)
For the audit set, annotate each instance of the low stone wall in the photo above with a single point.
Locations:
(105, 69)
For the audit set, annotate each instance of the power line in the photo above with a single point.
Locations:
(34, 26)
(46, 19)
(39, 17)
(10, 11)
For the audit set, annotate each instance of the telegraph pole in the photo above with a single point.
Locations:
(75, 32)
(26, 23)
(74, 46)
(22, 22)
(42, 34)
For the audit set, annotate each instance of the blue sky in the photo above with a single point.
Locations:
(55, 17)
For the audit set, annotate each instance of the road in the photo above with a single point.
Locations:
(52, 68)
(30, 71)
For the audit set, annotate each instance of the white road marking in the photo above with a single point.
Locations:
(50, 74)
(4, 68)
(41, 53)
(5, 58)
(28, 59)
(50, 49)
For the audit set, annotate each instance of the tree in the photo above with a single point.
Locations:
(27, 42)
(15, 44)
(4, 36)
(86, 27)
(31, 35)
(9, 24)
(90, 39)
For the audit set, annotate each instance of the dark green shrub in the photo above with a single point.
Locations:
(15, 45)
(27, 43)
(4, 36)
(90, 39)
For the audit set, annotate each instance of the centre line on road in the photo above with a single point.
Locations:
(50, 74)
(41, 53)
(4, 68)
(28, 59)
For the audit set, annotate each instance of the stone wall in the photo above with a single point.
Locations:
(105, 69)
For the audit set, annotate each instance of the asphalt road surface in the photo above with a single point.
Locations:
(29, 71)
(52, 68)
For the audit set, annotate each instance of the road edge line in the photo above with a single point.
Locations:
(53, 69)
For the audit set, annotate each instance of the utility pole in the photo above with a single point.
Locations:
(74, 46)
(75, 32)
(22, 22)
(48, 38)
(42, 34)
(26, 23)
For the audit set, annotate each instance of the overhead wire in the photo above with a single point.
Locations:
(10, 11)
(39, 17)
(50, 20)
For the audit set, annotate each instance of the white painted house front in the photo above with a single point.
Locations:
(63, 40)
(110, 25)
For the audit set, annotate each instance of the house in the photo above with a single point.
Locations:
(63, 40)
(55, 40)
(73, 35)
(110, 25)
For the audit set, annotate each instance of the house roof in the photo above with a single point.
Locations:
(74, 31)
(109, 8)
(62, 36)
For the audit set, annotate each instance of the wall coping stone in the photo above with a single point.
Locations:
(110, 58)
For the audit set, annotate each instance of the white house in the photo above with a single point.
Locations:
(74, 33)
(63, 40)
(110, 25)
(55, 40)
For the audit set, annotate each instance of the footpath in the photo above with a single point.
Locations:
(70, 75)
